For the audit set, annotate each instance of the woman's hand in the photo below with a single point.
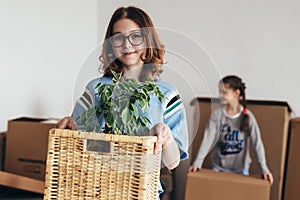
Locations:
(269, 177)
(166, 144)
(66, 123)
(193, 168)
(164, 136)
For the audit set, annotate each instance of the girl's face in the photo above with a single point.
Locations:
(128, 43)
(228, 95)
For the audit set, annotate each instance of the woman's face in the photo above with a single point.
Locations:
(128, 43)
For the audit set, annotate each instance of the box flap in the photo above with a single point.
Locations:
(296, 119)
(21, 182)
(28, 119)
(231, 177)
(33, 119)
(249, 101)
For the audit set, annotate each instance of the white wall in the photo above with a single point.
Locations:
(42, 47)
(48, 49)
(257, 40)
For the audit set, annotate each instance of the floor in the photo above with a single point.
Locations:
(14, 194)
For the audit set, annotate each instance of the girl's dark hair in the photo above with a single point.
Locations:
(236, 83)
(153, 59)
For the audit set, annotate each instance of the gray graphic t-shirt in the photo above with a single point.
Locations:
(229, 145)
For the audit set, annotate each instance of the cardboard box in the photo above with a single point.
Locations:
(2, 149)
(26, 147)
(210, 185)
(292, 178)
(21, 182)
(273, 120)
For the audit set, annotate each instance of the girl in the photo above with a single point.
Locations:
(230, 129)
(132, 47)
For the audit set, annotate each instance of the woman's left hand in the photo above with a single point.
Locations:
(166, 144)
(164, 136)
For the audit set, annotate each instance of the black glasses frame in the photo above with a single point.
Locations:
(128, 38)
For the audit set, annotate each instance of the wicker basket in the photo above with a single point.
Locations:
(86, 165)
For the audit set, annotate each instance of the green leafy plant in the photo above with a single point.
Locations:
(122, 105)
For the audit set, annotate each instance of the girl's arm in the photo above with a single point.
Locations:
(210, 138)
(258, 147)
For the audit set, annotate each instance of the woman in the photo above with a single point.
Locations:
(132, 48)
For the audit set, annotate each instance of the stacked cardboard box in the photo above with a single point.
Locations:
(292, 178)
(26, 146)
(273, 120)
(210, 185)
(2, 149)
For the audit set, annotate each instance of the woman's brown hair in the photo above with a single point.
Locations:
(153, 59)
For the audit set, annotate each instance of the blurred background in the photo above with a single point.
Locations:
(49, 49)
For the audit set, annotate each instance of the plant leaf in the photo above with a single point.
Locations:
(125, 116)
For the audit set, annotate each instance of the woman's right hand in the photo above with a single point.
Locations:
(66, 123)
(193, 168)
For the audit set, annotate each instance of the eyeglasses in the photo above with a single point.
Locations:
(135, 39)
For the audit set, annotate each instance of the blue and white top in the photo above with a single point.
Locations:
(170, 111)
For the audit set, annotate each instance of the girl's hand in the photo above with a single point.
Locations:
(166, 144)
(66, 123)
(193, 168)
(269, 177)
